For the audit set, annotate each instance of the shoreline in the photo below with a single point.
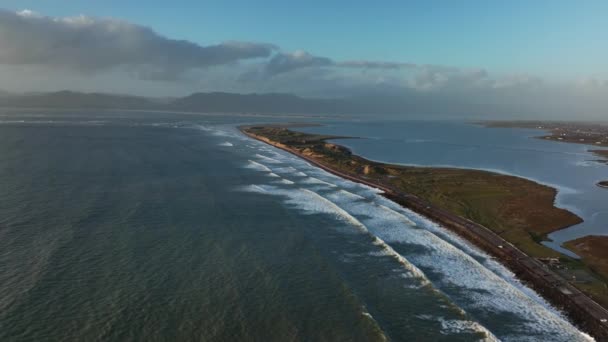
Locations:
(582, 310)
(580, 133)
(559, 188)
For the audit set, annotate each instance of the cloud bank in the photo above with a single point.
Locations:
(44, 53)
(88, 44)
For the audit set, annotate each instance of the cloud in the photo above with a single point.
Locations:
(43, 53)
(433, 77)
(523, 81)
(592, 83)
(89, 44)
(362, 64)
(285, 62)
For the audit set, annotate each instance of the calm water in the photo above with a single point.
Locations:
(568, 167)
(123, 226)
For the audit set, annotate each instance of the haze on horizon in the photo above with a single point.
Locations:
(545, 59)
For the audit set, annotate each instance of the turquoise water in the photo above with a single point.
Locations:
(149, 226)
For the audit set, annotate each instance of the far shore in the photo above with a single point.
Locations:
(582, 133)
(601, 153)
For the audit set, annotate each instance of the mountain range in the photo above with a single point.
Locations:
(221, 102)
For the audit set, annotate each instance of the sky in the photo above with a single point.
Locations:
(490, 50)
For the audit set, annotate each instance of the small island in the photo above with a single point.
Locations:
(507, 216)
(603, 184)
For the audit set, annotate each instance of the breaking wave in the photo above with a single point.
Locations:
(459, 326)
(257, 166)
(311, 202)
(284, 170)
(284, 181)
(471, 279)
(267, 159)
(483, 289)
(313, 180)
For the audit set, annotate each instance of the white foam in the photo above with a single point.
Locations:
(267, 159)
(335, 208)
(483, 288)
(389, 251)
(369, 316)
(285, 181)
(226, 144)
(218, 131)
(349, 194)
(402, 217)
(257, 166)
(253, 188)
(455, 326)
(313, 180)
(310, 201)
(287, 169)
(466, 247)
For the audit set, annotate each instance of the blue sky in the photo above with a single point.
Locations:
(552, 39)
(518, 57)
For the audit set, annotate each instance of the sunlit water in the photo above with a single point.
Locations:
(123, 226)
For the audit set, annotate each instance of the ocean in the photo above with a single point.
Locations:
(163, 227)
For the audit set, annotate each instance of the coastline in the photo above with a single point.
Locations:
(586, 313)
(588, 134)
(601, 153)
(560, 189)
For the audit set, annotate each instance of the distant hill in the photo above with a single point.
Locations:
(218, 102)
(70, 99)
(198, 102)
(258, 103)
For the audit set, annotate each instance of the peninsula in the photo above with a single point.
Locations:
(504, 215)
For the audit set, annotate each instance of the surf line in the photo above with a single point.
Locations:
(582, 310)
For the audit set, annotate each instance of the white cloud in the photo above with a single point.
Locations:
(89, 44)
(38, 52)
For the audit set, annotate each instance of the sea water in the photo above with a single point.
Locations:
(159, 226)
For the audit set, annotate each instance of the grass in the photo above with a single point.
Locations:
(594, 251)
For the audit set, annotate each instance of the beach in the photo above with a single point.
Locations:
(581, 309)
